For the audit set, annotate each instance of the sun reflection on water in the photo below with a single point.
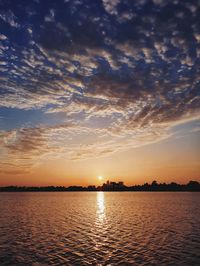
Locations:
(100, 227)
(100, 206)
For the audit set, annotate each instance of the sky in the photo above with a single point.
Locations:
(94, 88)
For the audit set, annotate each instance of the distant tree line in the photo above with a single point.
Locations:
(110, 186)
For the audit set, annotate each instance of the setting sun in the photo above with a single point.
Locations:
(100, 177)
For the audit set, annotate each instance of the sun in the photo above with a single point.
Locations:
(100, 177)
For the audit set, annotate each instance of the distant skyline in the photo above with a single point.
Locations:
(93, 88)
(192, 186)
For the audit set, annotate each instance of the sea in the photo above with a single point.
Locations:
(100, 228)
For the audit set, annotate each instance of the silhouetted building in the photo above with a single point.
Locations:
(113, 186)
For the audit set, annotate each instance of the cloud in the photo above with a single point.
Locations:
(117, 69)
(10, 18)
(22, 148)
(2, 37)
(111, 6)
(26, 147)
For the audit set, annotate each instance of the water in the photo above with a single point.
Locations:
(100, 228)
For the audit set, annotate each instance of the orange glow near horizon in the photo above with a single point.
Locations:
(170, 160)
(136, 166)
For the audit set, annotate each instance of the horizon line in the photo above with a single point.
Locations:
(109, 186)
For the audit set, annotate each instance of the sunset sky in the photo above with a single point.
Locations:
(94, 88)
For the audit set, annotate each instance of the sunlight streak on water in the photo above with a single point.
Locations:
(100, 228)
(100, 207)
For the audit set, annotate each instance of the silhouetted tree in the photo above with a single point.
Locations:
(110, 186)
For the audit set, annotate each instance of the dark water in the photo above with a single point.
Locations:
(89, 228)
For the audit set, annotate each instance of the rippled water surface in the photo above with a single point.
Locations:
(100, 228)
